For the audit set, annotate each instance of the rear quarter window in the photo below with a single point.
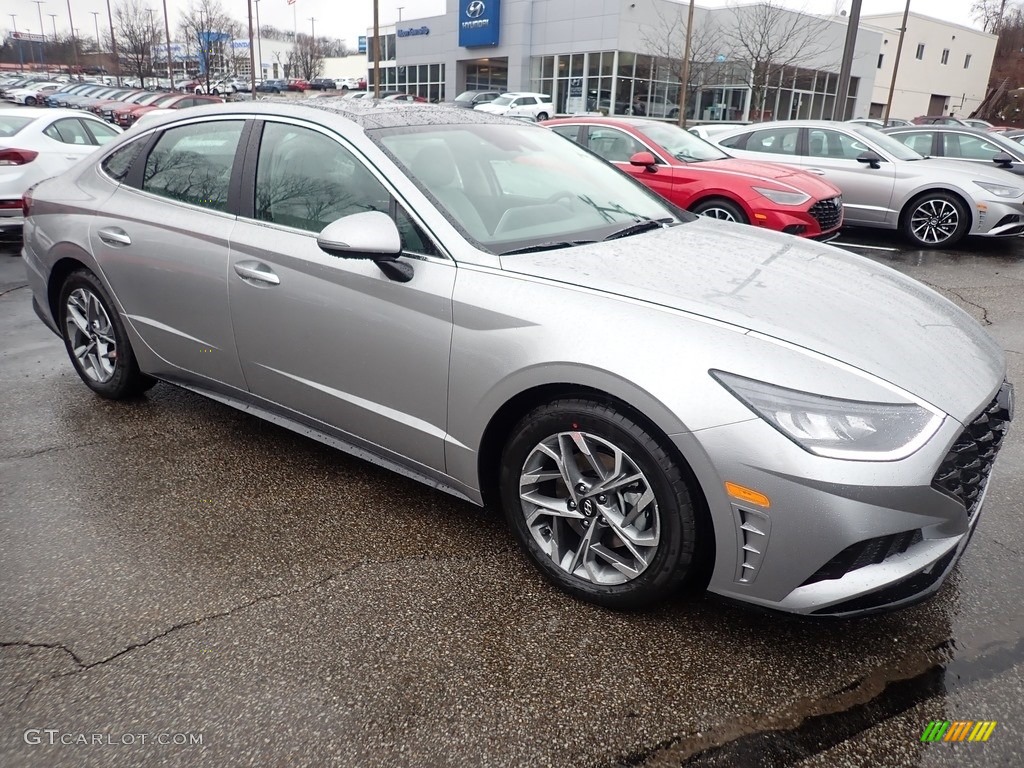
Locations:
(117, 164)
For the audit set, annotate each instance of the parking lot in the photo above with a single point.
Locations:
(196, 586)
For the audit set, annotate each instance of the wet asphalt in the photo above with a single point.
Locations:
(171, 568)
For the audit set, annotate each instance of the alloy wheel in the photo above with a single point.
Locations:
(589, 508)
(722, 214)
(934, 221)
(92, 335)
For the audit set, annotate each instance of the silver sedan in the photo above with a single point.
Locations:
(935, 203)
(650, 397)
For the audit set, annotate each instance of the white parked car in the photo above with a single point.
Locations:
(33, 94)
(535, 105)
(37, 145)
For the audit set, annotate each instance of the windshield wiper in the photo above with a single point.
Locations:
(637, 227)
(552, 246)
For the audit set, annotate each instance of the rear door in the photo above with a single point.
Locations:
(162, 243)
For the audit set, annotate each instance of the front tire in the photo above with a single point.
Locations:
(30, 101)
(598, 504)
(96, 340)
(936, 220)
(721, 209)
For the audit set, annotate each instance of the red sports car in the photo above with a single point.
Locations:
(697, 176)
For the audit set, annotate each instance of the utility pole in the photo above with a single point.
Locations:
(312, 27)
(843, 91)
(685, 76)
(113, 45)
(252, 53)
(376, 49)
(896, 64)
(42, 33)
(259, 41)
(167, 33)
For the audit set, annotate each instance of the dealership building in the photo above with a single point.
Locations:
(622, 56)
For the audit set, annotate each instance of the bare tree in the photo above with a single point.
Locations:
(990, 13)
(666, 39)
(306, 58)
(770, 39)
(208, 29)
(136, 36)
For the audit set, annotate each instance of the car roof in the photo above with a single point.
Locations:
(632, 122)
(939, 128)
(366, 113)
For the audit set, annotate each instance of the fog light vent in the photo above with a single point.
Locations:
(754, 528)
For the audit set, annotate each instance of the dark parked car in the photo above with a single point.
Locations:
(323, 84)
(959, 143)
(272, 86)
(469, 99)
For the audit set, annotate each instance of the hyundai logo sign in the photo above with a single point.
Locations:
(480, 24)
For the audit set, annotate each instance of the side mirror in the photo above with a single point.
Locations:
(368, 235)
(870, 158)
(1003, 160)
(646, 160)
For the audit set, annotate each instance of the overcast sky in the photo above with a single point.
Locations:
(349, 18)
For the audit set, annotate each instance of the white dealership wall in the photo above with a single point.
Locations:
(555, 27)
(918, 80)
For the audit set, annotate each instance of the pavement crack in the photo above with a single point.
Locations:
(1009, 549)
(48, 646)
(85, 667)
(941, 288)
(12, 290)
(69, 447)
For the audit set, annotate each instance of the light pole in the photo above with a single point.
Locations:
(74, 37)
(21, 59)
(113, 45)
(400, 9)
(53, 20)
(96, 23)
(843, 90)
(376, 49)
(683, 95)
(167, 32)
(312, 27)
(896, 64)
(42, 33)
(252, 55)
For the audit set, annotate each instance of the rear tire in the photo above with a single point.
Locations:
(542, 117)
(721, 209)
(935, 220)
(96, 340)
(598, 504)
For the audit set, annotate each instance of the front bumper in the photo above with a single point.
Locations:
(842, 538)
(999, 218)
(822, 219)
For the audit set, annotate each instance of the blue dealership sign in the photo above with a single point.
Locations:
(362, 44)
(479, 22)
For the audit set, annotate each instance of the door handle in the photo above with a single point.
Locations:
(114, 236)
(815, 171)
(254, 270)
(71, 157)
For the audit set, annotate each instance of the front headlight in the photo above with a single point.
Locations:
(1001, 190)
(781, 197)
(837, 428)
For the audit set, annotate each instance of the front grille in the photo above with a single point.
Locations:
(965, 470)
(828, 213)
(867, 552)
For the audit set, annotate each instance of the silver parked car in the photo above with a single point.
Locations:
(958, 143)
(651, 397)
(935, 203)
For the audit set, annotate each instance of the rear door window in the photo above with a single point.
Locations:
(192, 163)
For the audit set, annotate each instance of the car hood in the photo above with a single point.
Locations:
(942, 166)
(815, 296)
(785, 175)
(495, 108)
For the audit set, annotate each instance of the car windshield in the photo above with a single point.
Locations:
(681, 144)
(511, 187)
(503, 101)
(466, 96)
(896, 148)
(11, 124)
(1008, 145)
